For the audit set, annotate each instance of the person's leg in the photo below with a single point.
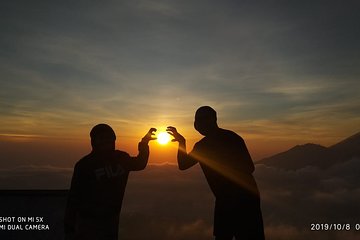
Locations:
(250, 226)
(223, 226)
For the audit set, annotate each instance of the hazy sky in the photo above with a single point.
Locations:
(278, 72)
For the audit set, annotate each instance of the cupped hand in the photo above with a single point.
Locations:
(149, 135)
(177, 136)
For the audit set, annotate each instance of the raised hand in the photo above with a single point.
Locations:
(177, 136)
(149, 135)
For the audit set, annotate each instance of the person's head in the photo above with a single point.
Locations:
(102, 138)
(205, 120)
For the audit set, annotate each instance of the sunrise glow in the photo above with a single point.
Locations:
(163, 138)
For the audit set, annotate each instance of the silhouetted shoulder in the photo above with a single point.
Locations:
(200, 143)
(121, 155)
(89, 160)
(231, 135)
(84, 161)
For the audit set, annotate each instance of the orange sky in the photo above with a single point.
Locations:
(275, 77)
(23, 150)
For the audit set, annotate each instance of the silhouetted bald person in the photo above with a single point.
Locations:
(228, 168)
(98, 186)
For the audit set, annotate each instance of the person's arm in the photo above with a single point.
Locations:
(184, 159)
(246, 163)
(140, 161)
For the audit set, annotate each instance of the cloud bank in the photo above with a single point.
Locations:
(171, 204)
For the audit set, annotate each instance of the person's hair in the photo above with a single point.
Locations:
(102, 130)
(206, 112)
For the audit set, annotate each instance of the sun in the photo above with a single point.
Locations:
(163, 138)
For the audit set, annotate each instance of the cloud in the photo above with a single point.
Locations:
(35, 177)
(169, 203)
(291, 201)
(323, 195)
(276, 71)
(120, 60)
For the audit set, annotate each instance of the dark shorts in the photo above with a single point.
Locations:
(241, 218)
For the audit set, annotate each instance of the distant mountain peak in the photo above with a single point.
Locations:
(352, 139)
(311, 154)
(308, 146)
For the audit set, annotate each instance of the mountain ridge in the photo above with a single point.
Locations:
(311, 154)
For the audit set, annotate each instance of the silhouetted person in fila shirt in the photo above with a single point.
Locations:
(228, 168)
(98, 185)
